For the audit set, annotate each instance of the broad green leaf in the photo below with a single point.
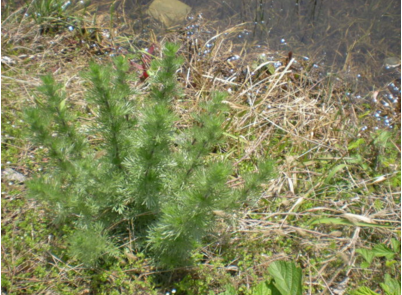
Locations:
(262, 289)
(364, 264)
(274, 290)
(288, 277)
(380, 250)
(368, 255)
(391, 286)
(364, 291)
(230, 290)
(396, 245)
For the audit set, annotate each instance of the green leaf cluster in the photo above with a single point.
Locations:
(390, 286)
(132, 168)
(286, 280)
(379, 250)
(287, 277)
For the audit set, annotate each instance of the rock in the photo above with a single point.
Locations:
(5, 60)
(11, 175)
(392, 62)
(168, 12)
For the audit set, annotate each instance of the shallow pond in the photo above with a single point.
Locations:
(354, 41)
(357, 38)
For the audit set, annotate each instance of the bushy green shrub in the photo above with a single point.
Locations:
(143, 170)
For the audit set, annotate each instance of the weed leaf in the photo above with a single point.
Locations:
(364, 291)
(381, 250)
(391, 286)
(263, 289)
(274, 290)
(368, 255)
(332, 220)
(230, 290)
(288, 277)
(396, 245)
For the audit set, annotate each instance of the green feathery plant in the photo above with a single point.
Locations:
(143, 170)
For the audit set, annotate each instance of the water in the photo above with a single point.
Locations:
(352, 40)
(354, 37)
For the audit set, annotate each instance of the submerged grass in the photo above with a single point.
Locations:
(337, 190)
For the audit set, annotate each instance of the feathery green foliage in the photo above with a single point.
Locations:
(151, 173)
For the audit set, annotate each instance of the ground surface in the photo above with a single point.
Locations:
(335, 200)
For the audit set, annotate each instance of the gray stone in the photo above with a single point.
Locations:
(168, 12)
(12, 175)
